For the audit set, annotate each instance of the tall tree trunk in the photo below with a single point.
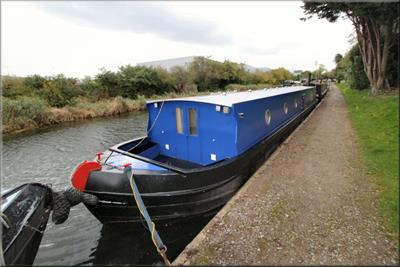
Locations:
(374, 53)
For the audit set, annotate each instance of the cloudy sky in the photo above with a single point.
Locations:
(79, 38)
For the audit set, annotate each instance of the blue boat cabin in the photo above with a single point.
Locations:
(207, 129)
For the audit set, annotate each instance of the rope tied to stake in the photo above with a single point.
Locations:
(155, 237)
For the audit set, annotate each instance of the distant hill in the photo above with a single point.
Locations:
(184, 62)
(254, 69)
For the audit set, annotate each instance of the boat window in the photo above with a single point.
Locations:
(267, 116)
(192, 121)
(295, 103)
(226, 110)
(179, 120)
(285, 108)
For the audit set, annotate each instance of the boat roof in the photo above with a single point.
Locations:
(231, 98)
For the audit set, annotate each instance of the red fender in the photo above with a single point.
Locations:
(80, 176)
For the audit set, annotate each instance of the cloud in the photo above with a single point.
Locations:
(138, 17)
(265, 50)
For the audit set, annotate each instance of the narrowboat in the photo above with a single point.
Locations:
(321, 90)
(197, 153)
(24, 214)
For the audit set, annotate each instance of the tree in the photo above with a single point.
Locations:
(53, 96)
(393, 69)
(339, 71)
(182, 79)
(355, 74)
(60, 91)
(142, 80)
(353, 70)
(34, 82)
(375, 24)
(319, 73)
(280, 75)
(207, 73)
(338, 58)
(232, 73)
(14, 86)
(110, 83)
(93, 89)
(261, 77)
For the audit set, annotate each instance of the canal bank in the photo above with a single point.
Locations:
(312, 202)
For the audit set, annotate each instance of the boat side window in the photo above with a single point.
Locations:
(179, 120)
(285, 108)
(267, 116)
(193, 121)
(295, 103)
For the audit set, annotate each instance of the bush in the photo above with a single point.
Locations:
(393, 68)
(24, 112)
(35, 82)
(93, 89)
(213, 75)
(14, 86)
(110, 82)
(143, 80)
(355, 74)
(182, 80)
(60, 91)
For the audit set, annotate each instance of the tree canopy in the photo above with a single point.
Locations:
(376, 26)
(129, 81)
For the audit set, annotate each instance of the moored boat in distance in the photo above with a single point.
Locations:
(197, 153)
(321, 90)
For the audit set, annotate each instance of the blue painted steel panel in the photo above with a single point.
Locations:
(223, 135)
(252, 128)
(215, 135)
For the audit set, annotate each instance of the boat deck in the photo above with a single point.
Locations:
(183, 164)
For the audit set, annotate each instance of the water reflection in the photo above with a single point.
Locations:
(121, 244)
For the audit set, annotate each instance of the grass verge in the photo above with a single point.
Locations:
(376, 120)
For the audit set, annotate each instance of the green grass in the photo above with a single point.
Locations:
(376, 120)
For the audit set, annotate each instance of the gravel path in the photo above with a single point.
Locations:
(312, 203)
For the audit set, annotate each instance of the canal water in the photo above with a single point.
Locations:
(49, 156)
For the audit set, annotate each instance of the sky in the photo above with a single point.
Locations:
(78, 38)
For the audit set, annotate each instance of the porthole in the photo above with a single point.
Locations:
(267, 117)
(295, 103)
(285, 108)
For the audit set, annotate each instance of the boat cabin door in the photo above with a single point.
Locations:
(193, 139)
(187, 138)
(180, 138)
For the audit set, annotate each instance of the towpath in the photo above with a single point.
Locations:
(311, 203)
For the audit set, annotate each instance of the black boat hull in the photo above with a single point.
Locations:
(321, 90)
(170, 196)
(24, 220)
